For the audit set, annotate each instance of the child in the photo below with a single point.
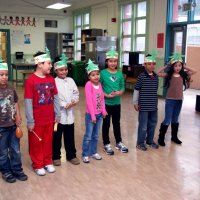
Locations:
(41, 97)
(177, 76)
(95, 109)
(68, 95)
(10, 118)
(145, 102)
(112, 82)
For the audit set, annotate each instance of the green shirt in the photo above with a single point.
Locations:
(112, 82)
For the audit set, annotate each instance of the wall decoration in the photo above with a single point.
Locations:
(17, 21)
(27, 38)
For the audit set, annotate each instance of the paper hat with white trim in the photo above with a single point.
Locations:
(91, 67)
(43, 57)
(111, 54)
(151, 57)
(176, 57)
(62, 62)
(3, 65)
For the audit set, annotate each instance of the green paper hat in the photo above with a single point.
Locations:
(111, 54)
(176, 57)
(151, 57)
(3, 65)
(62, 62)
(43, 58)
(91, 67)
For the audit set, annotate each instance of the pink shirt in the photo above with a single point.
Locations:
(95, 103)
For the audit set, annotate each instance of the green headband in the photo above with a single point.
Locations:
(91, 67)
(44, 57)
(3, 65)
(176, 57)
(111, 54)
(62, 62)
(151, 57)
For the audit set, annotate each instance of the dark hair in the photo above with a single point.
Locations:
(38, 54)
(186, 77)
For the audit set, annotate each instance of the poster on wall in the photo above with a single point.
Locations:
(17, 38)
(27, 38)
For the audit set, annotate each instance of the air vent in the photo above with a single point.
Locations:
(51, 23)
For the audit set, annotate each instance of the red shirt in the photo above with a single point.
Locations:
(41, 91)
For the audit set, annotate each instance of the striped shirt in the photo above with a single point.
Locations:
(147, 86)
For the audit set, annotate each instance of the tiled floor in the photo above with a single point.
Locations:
(169, 173)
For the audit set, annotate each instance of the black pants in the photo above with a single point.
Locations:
(115, 113)
(68, 133)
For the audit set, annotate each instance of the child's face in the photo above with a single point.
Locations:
(45, 67)
(177, 67)
(94, 76)
(112, 63)
(150, 66)
(3, 77)
(62, 72)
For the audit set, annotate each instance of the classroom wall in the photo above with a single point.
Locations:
(37, 34)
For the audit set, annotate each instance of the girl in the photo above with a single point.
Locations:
(113, 86)
(95, 108)
(176, 77)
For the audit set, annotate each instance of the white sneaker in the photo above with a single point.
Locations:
(50, 168)
(86, 159)
(40, 172)
(96, 156)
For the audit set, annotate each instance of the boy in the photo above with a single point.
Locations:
(145, 102)
(10, 156)
(68, 95)
(41, 98)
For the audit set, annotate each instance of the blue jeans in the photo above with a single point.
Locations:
(172, 111)
(91, 136)
(146, 128)
(10, 155)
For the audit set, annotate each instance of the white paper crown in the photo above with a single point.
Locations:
(42, 58)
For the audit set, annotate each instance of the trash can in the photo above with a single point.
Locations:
(197, 107)
(78, 72)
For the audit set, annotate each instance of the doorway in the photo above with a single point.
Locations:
(185, 39)
(5, 53)
(51, 41)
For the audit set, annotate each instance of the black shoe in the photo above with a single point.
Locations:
(20, 176)
(8, 177)
(176, 140)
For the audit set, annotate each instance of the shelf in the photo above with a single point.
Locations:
(66, 43)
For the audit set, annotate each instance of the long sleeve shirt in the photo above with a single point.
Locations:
(67, 92)
(95, 103)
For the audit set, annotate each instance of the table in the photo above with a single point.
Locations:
(26, 73)
(21, 66)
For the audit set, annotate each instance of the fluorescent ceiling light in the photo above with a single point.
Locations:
(58, 6)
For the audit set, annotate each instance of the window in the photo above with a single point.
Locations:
(81, 21)
(133, 29)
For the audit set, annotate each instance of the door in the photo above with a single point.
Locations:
(5, 49)
(51, 41)
(185, 39)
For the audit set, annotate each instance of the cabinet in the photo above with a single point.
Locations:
(88, 35)
(67, 44)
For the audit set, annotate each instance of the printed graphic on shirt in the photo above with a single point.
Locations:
(45, 93)
(98, 101)
(6, 106)
(113, 78)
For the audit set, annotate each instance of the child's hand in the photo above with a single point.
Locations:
(104, 115)
(30, 127)
(18, 120)
(136, 107)
(94, 121)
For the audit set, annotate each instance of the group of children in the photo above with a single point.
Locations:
(49, 111)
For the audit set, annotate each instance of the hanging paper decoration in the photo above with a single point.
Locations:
(17, 21)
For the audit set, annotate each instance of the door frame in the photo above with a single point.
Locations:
(8, 52)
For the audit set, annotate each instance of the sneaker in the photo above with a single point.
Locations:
(153, 145)
(57, 162)
(40, 172)
(74, 161)
(96, 156)
(122, 147)
(20, 176)
(86, 159)
(8, 177)
(141, 147)
(108, 149)
(50, 168)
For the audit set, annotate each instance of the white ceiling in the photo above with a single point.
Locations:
(38, 7)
